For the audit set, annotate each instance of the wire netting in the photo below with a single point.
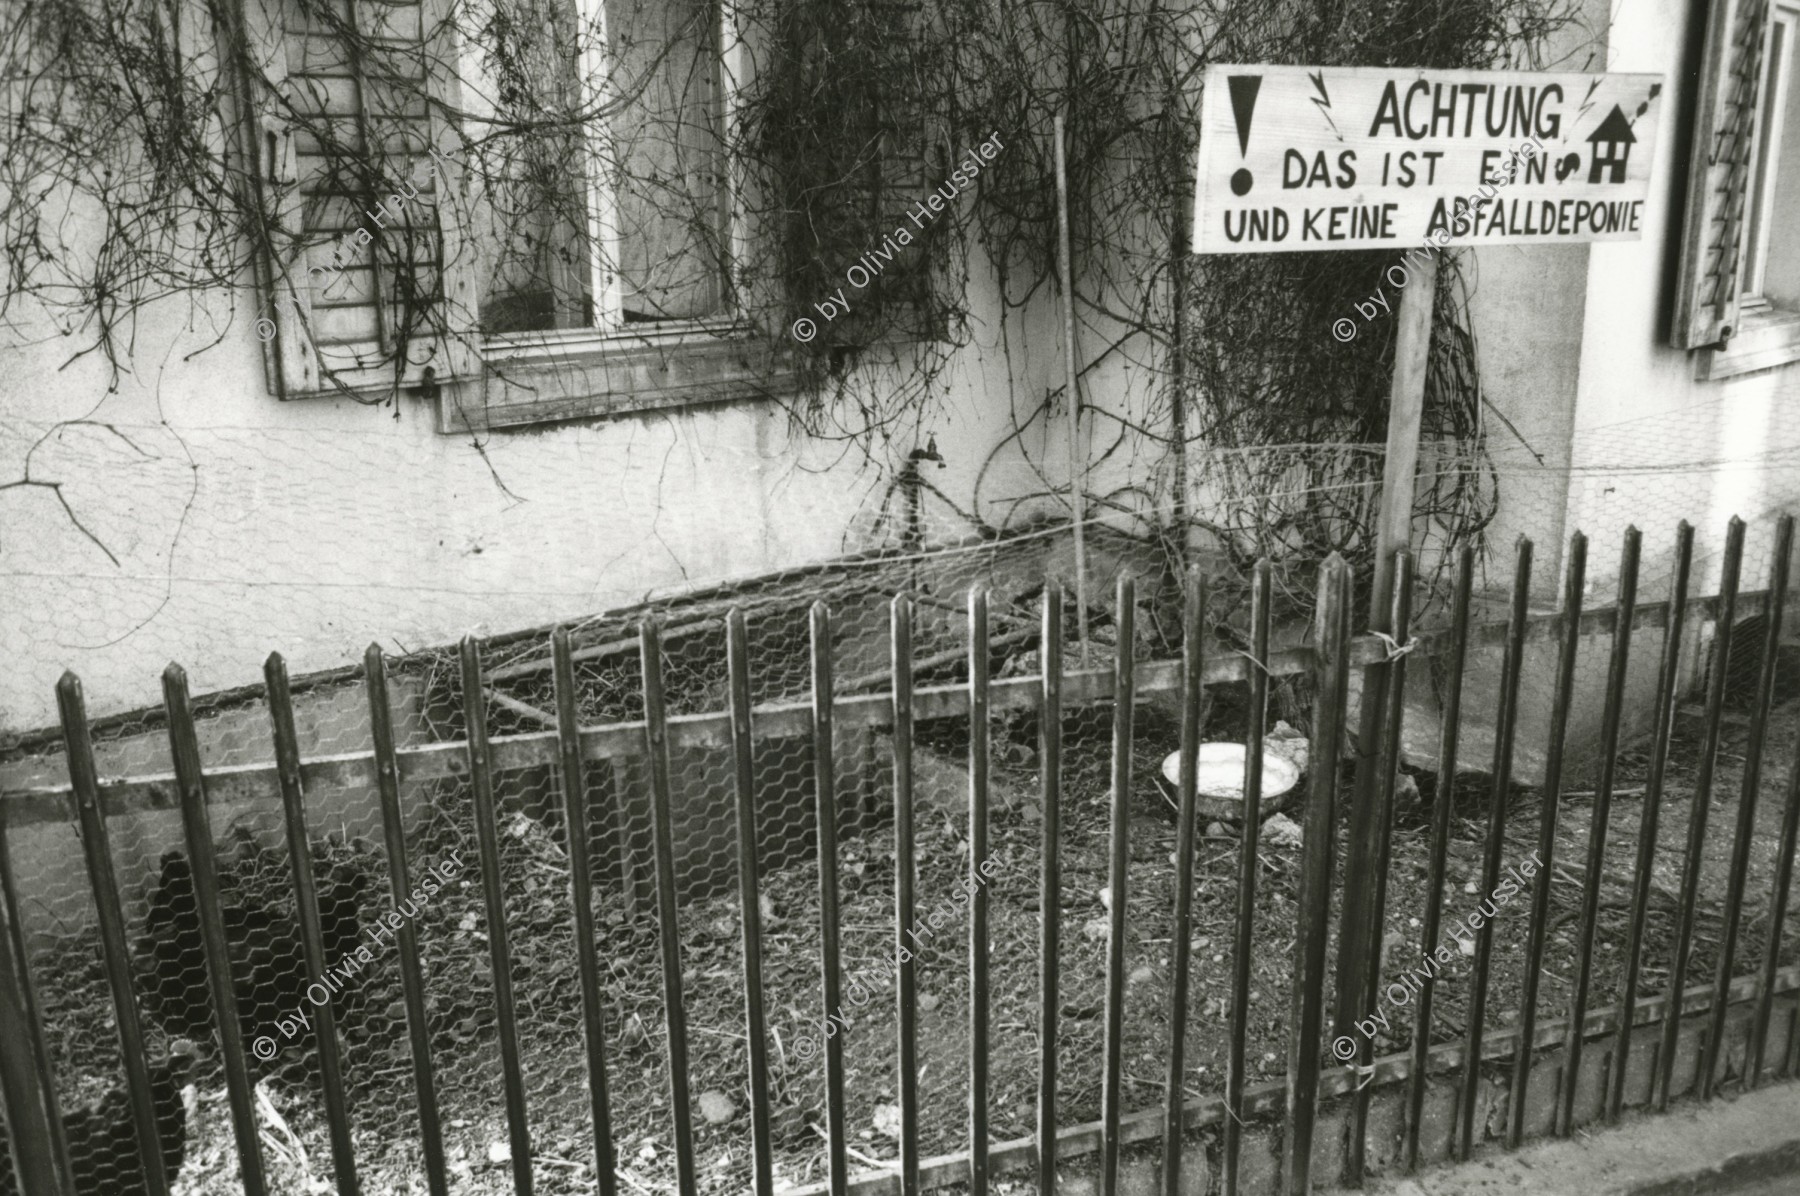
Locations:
(937, 555)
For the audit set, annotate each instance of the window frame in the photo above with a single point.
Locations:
(613, 367)
(616, 368)
(1776, 78)
(598, 94)
(477, 380)
(1765, 336)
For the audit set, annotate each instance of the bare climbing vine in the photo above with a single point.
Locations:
(167, 150)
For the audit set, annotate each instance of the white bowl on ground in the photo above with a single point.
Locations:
(1219, 780)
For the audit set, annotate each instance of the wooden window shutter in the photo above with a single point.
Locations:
(1706, 301)
(366, 280)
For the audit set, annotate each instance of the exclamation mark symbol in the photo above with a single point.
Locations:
(1243, 89)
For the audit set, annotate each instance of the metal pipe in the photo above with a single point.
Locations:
(1077, 463)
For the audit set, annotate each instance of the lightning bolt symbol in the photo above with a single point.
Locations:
(1587, 101)
(1322, 101)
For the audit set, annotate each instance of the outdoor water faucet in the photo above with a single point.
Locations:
(928, 453)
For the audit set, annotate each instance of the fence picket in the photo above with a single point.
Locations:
(115, 955)
(1443, 802)
(1193, 633)
(905, 879)
(1791, 1067)
(1703, 780)
(668, 926)
(1713, 1045)
(412, 978)
(1307, 1021)
(190, 781)
(979, 731)
(487, 841)
(825, 782)
(1667, 681)
(29, 1009)
(573, 773)
(306, 905)
(1574, 583)
(1617, 665)
(38, 1153)
(1778, 899)
(1119, 860)
(1050, 661)
(1505, 726)
(1358, 958)
(1243, 937)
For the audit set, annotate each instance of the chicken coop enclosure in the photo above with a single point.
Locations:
(806, 886)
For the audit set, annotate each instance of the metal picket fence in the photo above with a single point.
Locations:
(686, 892)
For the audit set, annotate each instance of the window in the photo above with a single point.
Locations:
(1739, 300)
(638, 236)
(1771, 277)
(577, 240)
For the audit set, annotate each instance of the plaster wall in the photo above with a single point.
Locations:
(208, 523)
(1528, 308)
(1651, 445)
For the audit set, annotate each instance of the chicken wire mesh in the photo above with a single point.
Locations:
(427, 709)
(1610, 476)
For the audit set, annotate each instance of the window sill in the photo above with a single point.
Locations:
(534, 379)
(1765, 339)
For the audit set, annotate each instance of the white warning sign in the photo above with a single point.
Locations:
(1297, 158)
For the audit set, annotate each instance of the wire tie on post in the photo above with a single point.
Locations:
(1395, 649)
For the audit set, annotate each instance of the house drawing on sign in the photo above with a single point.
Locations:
(1612, 147)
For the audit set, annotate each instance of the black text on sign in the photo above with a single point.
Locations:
(1297, 158)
